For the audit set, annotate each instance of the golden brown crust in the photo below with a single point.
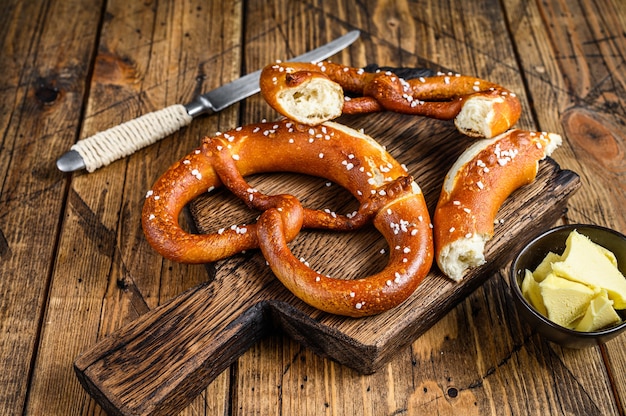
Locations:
(495, 109)
(385, 193)
(475, 188)
(311, 94)
(410, 261)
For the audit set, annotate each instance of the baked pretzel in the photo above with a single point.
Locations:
(474, 189)
(387, 196)
(311, 93)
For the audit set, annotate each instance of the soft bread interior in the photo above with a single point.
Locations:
(461, 255)
(554, 141)
(312, 102)
(475, 117)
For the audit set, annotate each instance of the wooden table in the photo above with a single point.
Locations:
(74, 263)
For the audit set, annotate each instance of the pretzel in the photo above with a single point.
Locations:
(387, 197)
(475, 187)
(311, 93)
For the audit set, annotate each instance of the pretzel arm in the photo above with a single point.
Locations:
(409, 262)
(180, 184)
(479, 108)
(475, 187)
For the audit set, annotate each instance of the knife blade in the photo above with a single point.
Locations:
(120, 141)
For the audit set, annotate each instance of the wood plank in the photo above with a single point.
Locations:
(150, 55)
(104, 274)
(578, 90)
(581, 96)
(45, 50)
(448, 30)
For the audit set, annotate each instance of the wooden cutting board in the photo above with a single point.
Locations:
(159, 363)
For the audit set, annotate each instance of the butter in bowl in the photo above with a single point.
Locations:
(569, 284)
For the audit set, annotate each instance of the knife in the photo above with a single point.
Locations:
(122, 140)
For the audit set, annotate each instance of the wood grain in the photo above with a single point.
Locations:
(41, 95)
(135, 71)
(442, 38)
(157, 364)
(74, 266)
(579, 91)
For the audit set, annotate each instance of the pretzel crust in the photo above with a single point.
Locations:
(314, 92)
(475, 187)
(387, 196)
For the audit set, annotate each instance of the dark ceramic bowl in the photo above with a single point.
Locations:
(533, 254)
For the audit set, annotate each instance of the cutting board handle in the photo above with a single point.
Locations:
(164, 359)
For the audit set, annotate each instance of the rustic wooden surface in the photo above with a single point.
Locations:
(152, 365)
(74, 264)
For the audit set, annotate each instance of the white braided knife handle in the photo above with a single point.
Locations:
(117, 142)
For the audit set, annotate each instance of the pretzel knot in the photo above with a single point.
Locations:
(387, 197)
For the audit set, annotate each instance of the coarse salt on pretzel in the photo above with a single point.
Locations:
(387, 196)
(481, 179)
(314, 92)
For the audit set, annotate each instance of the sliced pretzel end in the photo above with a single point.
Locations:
(488, 115)
(461, 255)
(304, 96)
(476, 186)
